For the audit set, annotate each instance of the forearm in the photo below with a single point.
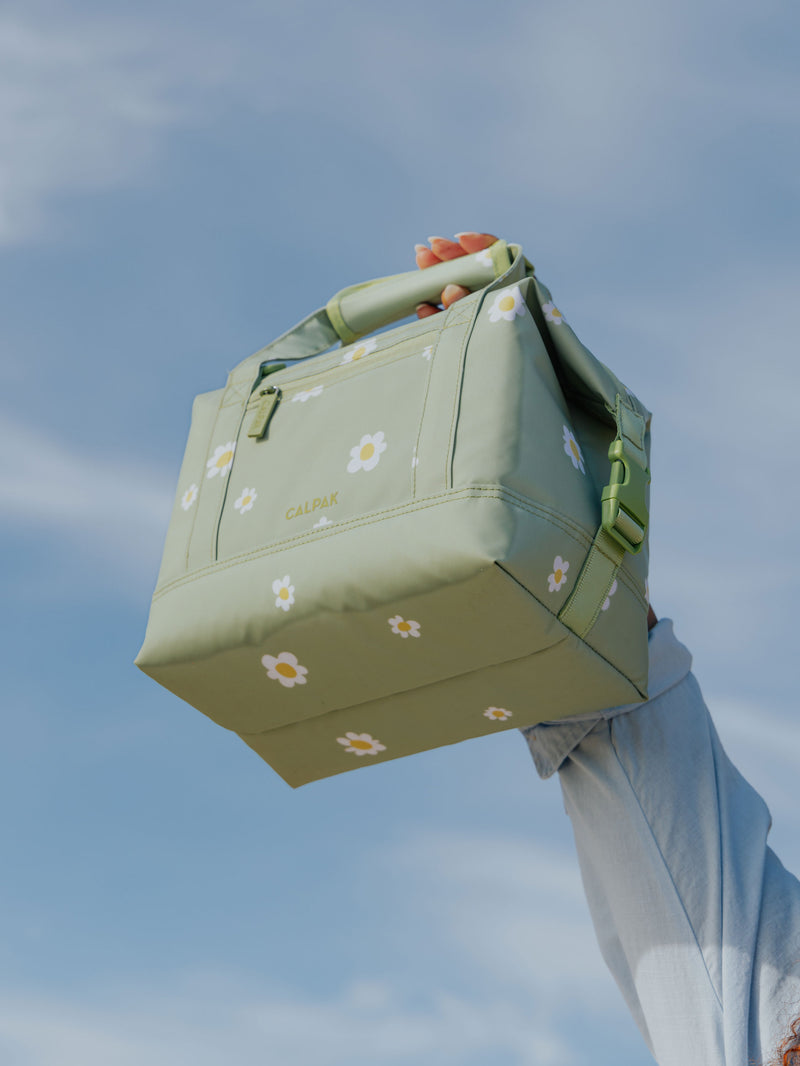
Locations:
(696, 918)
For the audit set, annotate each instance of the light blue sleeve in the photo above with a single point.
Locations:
(696, 918)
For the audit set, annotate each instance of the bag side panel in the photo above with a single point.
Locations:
(479, 703)
(187, 505)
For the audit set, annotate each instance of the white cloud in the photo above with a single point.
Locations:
(516, 908)
(107, 507)
(595, 105)
(366, 1023)
(81, 107)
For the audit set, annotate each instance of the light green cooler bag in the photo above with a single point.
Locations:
(431, 534)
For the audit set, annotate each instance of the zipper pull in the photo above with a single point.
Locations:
(269, 401)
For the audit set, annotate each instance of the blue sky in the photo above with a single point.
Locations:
(181, 182)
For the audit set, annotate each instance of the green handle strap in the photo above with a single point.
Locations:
(623, 526)
(363, 308)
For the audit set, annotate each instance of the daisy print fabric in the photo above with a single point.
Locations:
(284, 668)
(573, 450)
(559, 574)
(360, 744)
(306, 394)
(497, 714)
(364, 348)
(284, 592)
(220, 461)
(552, 314)
(246, 501)
(508, 303)
(611, 591)
(404, 628)
(367, 453)
(189, 497)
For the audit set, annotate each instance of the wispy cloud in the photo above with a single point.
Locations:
(106, 508)
(600, 107)
(515, 907)
(368, 1022)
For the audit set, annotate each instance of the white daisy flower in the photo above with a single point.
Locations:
(220, 461)
(559, 574)
(306, 394)
(322, 522)
(284, 668)
(611, 591)
(189, 497)
(427, 352)
(497, 714)
(573, 450)
(360, 744)
(552, 314)
(367, 453)
(246, 501)
(364, 348)
(403, 628)
(508, 303)
(484, 257)
(284, 592)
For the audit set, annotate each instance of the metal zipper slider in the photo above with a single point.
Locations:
(270, 398)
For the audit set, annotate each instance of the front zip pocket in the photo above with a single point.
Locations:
(325, 449)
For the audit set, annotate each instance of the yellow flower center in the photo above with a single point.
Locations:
(554, 311)
(497, 714)
(557, 576)
(224, 459)
(284, 594)
(363, 745)
(246, 500)
(507, 303)
(575, 449)
(404, 627)
(285, 670)
(367, 452)
(359, 352)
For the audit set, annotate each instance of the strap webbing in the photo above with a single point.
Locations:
(599, 572)
(606, 554)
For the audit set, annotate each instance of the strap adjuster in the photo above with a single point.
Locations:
(624, 507)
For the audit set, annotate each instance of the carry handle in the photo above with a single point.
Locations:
(361, 309)
(364, 308)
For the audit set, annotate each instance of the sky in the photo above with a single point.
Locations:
(180, 182)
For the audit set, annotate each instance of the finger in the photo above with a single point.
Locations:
(451, 293)
(475, 242)
(425, 257)
(426, 310)
(444, 249)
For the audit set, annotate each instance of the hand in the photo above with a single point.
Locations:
(442, 249)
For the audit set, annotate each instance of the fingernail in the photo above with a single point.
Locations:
(432, 239)
(467, 233)
(421, 248)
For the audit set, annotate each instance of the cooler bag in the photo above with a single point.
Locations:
(385, 543)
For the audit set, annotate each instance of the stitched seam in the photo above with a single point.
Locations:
(401, 692)
(475, 492)
(203, 479)
(459, 388)
(421, 422)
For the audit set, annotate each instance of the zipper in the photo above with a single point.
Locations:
(269, 398)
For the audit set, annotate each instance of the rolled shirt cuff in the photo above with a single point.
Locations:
(669, 662)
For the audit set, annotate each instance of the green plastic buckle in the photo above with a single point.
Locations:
(625, 514)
